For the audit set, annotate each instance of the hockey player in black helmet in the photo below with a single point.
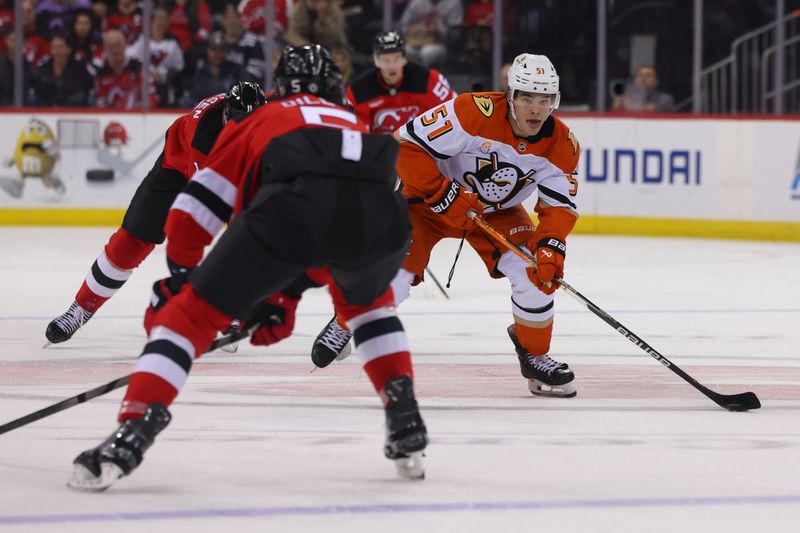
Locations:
(243, 98)
(309, 69)
(188, 141)
(299, 159)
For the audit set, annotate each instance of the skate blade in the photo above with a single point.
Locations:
(411, 467)
(84, 481)
(537, 388)
(230, 348)
(345, 353)
(48, 343)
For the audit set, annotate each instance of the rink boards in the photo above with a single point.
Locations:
(727, 177)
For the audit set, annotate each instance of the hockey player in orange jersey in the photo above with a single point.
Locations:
(489, 152)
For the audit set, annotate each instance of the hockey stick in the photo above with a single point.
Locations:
(436, 281)
(108, 387)
(744, 401)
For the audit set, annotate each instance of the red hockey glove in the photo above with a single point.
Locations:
(550, 254)
(163, 291)
(276, 315)
(453, 201)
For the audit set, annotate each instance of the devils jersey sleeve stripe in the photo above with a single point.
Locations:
(556, 196)
(423, 144)
(214, 203)
(200, 213)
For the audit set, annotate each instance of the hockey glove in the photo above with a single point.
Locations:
(453, 201)
(550, 254)
(276, 315)
(163, 291)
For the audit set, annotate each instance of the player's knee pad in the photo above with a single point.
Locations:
(401, 285)
(528, 302)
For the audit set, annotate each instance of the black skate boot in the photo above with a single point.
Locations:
(97, 469)
(332, 343)
(406, 436)
(64, 327)
(546, 377)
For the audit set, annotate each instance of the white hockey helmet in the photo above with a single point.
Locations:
(533, 74)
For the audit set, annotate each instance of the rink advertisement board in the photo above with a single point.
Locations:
(723, 177)
(634, 172)
(75, 168)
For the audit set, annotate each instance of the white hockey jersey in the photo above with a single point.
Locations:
(470, 140)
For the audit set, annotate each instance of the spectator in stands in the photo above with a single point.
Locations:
(342, 57)
(7, 70)
(214, 75)
(166, 57)
(316, 22)
(85, 39)
(100, 8)
(246, 48)
(6, 21)
(189, 22)
(56, 16)
(425, 24)
(254, 12)
(118, 82)
(36, 47)
(62, 80)
(127, 17)
(504, 77)
(642, 94)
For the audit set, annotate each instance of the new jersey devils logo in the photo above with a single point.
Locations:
(494, 181)
(389, 119)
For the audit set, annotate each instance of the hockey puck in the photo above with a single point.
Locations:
(99, 174)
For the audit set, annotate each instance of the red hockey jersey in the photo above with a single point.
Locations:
(190, 138)
(217, 192)
(122, 90)
(387, 108)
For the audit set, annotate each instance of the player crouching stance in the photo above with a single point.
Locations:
(488, 152)
(318, 207)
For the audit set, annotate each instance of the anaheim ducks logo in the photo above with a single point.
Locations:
(485, 104)
(495, 182)
(574, 141)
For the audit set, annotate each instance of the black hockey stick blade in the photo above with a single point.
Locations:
(108, 387)
(745, 401)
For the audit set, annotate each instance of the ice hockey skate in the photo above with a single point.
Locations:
(406, 436)
(97, 469)
(235, 327)
(332, 344)
(546, 377)
(62, 328)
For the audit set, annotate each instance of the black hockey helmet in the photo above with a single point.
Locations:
(242, 98)
(388, 42)
(309, 69)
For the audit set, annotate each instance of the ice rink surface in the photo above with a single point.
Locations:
(259, 443)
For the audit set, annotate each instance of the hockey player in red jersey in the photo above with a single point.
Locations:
(395, 91)
(489, 152)
(307, 189)
(385, 97)
(188, 142)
